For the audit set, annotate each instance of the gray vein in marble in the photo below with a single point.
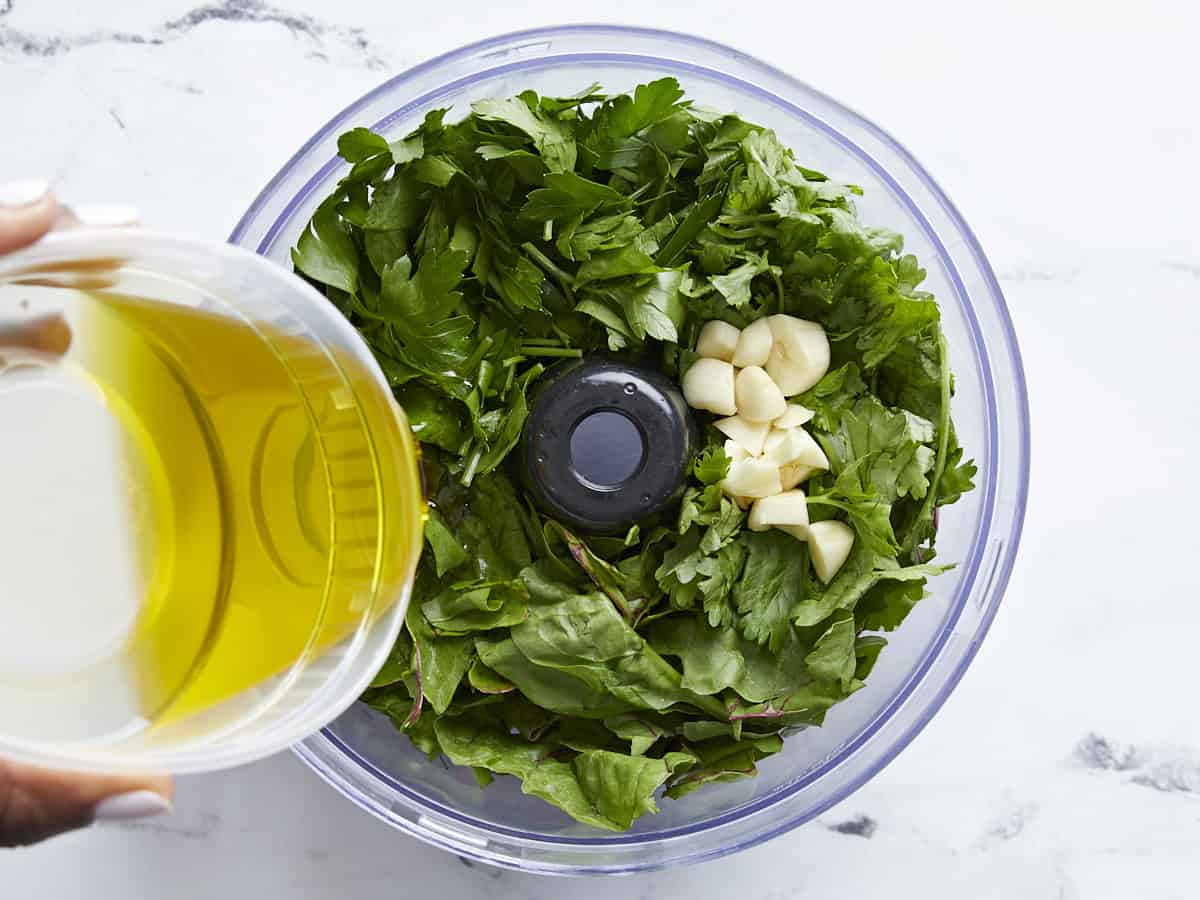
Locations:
(860, 826)
(1096, 752)
(1187, 268)
(25, 43)
(207, 823)
(1012, 825)
(1173, 776)
(1175, 771)
(353, 41)
(1066, 888)
(185, 87)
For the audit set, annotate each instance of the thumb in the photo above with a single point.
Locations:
(27, 211)
(36, 803)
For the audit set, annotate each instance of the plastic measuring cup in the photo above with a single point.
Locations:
(210, 505)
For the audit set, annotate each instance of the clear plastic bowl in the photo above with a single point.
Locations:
(368, 761)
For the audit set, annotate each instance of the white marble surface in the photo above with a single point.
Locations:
(1067, 134)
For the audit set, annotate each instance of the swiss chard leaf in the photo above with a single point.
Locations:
(448, 553)
(441, 662)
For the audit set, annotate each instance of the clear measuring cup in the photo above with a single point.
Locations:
(210, 505)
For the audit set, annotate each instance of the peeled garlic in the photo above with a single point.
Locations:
(752, 478)
(750, 435)
(800, 355)
(791, 377)
(782, 445)
(803, 341)
(709, 384)
(786, 508)
(795, 415)
(735, 451)
(758, 397)
(754, 345)
(717, 340)
(792, 474)
(794, 445)
(799, 532)
(829, 545)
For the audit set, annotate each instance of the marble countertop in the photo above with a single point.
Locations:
(1063, 130)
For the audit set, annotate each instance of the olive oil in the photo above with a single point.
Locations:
(199, 506)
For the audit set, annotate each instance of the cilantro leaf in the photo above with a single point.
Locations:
(653, 306)
(833, 395)
(712, 465)
(767, 591)
(734, 286)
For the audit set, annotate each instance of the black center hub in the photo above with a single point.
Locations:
(607, 444)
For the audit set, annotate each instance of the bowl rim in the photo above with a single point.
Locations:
(327, 742)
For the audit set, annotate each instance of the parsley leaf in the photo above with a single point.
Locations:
(553, 138)
(326, 251)
(567, 195)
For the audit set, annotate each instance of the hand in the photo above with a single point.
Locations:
(34, 803)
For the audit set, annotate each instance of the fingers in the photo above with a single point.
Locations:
(27, 211)
(36, 804)
(46, 334)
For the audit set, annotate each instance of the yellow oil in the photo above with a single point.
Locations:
(254, 500)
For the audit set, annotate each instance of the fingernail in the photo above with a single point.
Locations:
(106, 215)
(134, 805)
(16, 194)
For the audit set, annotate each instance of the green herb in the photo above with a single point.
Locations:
(607, 672)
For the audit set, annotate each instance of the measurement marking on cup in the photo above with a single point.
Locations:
(351, 484)
(347, 455)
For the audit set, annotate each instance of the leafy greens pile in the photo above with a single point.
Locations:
(604, 672)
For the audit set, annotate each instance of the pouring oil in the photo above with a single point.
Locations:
(175, 483)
